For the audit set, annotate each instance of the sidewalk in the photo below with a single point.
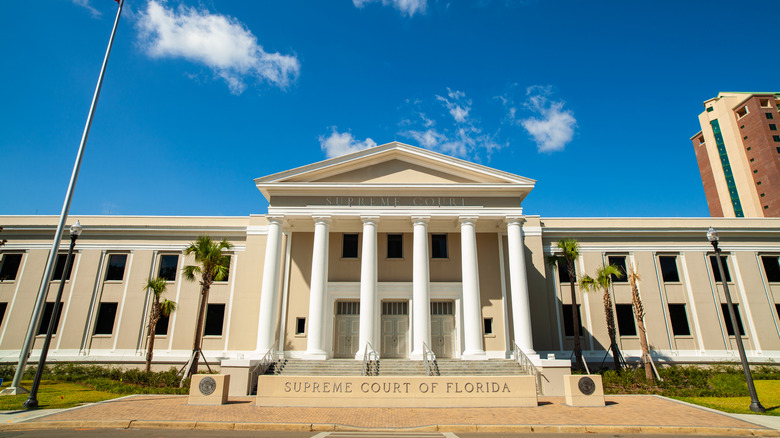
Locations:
(623, 414)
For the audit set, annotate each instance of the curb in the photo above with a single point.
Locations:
(454, 428)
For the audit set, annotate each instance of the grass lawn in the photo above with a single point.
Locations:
(55, 395)
(768, 394)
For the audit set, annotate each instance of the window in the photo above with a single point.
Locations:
(47, 312)
(488, 326)
(215, 315)
(347, 307)
(227, 274)
(395, 246)
(778, 151)
(701, 140)
(625, 319)
(710, 109)
(9, 266)
(568, 325)
(2, 311)
(764, 103)
(161, 329)
(776, 138)
(439, 246)
(59, 267)
(752, 160)
(727, 319)
(116, 267)
(769, 116)
(300, 326)
(742, 112)
(679, 320)
(772, 127)
(105, 319)
(716, 272)
(771, 268)
(168, 265)
(563, 271)
(349, 246)
(620, 262)
(441, 308)
(777, 308)
(669, 269)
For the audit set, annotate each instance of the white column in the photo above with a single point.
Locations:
(319, 283)
(368, 280)
(266, 327)
(518, 286)
(472, 307)
(421, 294)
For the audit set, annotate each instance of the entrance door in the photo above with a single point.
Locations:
(346, 329)
(395, 329)
(442, 328)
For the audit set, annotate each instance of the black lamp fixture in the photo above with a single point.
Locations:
(32, 400)
(755, 405)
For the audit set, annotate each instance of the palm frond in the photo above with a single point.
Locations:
(189, 272)
(157, 285)
(588, 283)
(167, 307)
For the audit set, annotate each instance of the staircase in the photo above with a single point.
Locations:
(395, 367)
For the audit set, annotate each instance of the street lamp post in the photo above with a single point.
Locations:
(755, 405)
(32, 400)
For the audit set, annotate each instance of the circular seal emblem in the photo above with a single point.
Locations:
(208, 385)
(587, 386)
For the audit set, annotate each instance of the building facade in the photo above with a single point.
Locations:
(738, 151)
(394, 249)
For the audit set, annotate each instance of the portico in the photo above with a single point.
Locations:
(389, 243)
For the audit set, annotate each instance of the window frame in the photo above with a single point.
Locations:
(444, 238)
(400, 242)
(49, 308)
(487, 322)
(663, 271)
(623, 268)
(109, 256)
(206, 324)
(714, 267)
(620, 309)
(175, 270)
(4, 259)
(566, 310)
(298, 321)
(98, 319)
(727, 320)
(672, 319)
(344, 237)
(768, 271)
(57, 273)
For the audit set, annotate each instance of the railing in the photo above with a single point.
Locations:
(429, 358)
(527, 366)
(369, 355)
(265, 362)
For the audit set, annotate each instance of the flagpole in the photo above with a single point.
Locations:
(35, 319)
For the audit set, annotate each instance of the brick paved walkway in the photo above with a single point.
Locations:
(623, 411)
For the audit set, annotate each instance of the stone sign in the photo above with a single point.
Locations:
(438, 391)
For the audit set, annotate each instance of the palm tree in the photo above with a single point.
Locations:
(212, 265)
(604, 280)
(159, 308)
(639, 314)
(570, 250)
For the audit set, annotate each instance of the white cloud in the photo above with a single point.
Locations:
(554, 126)
(407, 7)
(220, 42)
(85, 4)
(337, 144)
(457, 104)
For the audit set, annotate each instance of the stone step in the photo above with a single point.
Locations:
(395, 367)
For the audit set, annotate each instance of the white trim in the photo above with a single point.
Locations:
(179, 281)
(550, 248)
(767, 291)
(694, 313)
(117, 247)
(93, 301)
(532, 231)
(66, 307)
(282, 326)
(745, 305)
(504, 302)
(229, 306)
(257, 230)
(664, 300)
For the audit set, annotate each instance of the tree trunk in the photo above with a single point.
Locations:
(575, 317)
(639, 313)
(152, 327)
(205, 286)
(611, 329)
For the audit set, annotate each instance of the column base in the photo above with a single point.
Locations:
(14, 390)
(416, 355)
(474, 355)
(315, 355)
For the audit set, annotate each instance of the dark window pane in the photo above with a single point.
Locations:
(716, 271)
(669, 269)
(349, 246)
(116, 267)
(47, 311)
(771, 268)
(59, 267)
(168, 265)
(777, 308)
(488, 326)
(105, 319)
(215, 315)
(395, 247)
(9, 266)
(769, 116)
(563, 271)
(2, 311)
(625, 319)
(439, 246)
(620, 262)
(727, 319)
(162, 325)
(568, 325)
(679, 320)
(300, 326)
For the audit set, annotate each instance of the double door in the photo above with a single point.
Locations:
(347, 329)
(395, 329)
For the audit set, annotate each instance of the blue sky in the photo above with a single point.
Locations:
(595, 100)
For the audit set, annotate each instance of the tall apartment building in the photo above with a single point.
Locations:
(738, 151)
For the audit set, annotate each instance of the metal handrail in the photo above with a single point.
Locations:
(265, 362)
(428, 357)
(369, 355)
(527, 366)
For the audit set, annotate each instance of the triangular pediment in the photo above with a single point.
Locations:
(396, 171)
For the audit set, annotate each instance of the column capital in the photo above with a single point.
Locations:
(275, 219)
(510, 220)
(322, 220)
(420, 219)
(467, 219)
(370, 219)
